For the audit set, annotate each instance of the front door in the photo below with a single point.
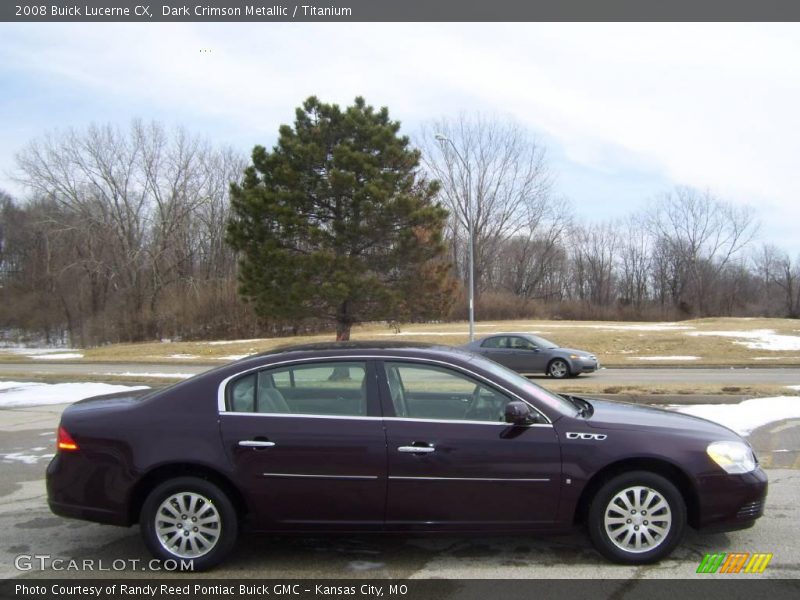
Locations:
(453, 463)
(308, 445)
(528, 357)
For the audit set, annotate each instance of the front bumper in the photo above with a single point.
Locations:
(585, 365)
(731, 502)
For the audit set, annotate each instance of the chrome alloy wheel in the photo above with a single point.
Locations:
(188, 525)
(559, 369)
(637, 519)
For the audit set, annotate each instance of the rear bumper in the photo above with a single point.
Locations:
(87, 513)
(731, 502)
(78, 491)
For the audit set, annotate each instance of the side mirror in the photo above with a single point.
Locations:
(518, 413)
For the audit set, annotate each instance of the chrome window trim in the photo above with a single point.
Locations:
(223, 384)
(301, 416)
(539, 480)
(502, 423)
(392, 419)
(314, 476)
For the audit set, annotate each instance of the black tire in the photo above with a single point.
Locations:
(663, 543)
(558, 368)
(212, 507)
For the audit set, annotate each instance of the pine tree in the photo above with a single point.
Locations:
(337, 222)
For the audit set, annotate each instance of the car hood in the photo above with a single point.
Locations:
(568, 351)
(622, 415)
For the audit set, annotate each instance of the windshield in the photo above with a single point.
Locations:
(542, 342)
(546, 397)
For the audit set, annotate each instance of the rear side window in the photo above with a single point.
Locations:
(494, 342)
(242, 396)
(325, 389)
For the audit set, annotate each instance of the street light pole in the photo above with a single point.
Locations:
(470, 243)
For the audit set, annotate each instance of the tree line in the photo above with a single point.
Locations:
(146, 232)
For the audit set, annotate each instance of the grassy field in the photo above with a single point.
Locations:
(584, 386)
(724, 341)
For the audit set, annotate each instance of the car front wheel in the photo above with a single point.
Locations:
(189, 519)
(637, 518)
(558, 369)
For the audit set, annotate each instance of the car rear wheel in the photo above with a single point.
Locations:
(189, 519)
(637, 518)
(558, 369)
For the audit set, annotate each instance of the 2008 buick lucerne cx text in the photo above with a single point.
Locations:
(363, 437)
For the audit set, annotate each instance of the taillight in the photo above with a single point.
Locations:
(65, 441)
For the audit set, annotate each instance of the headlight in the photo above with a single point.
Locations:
(734, 457)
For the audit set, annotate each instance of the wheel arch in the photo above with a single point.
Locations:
(566, 361)
(661, 467)
(166, 472)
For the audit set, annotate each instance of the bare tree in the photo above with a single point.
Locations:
(635, 263)
(531, 264)
(697, 236)
(132, 214)
(505, 178)
(780, 280)
(594, 249)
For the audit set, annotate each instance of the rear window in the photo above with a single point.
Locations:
(335, 388)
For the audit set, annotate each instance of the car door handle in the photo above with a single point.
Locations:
(417, 449)
(256, 444)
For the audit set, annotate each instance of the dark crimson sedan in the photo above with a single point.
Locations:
(377, 437)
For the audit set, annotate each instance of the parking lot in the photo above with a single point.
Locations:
(31, 530)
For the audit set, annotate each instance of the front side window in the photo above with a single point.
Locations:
(429, 392)
(326, 389)
(519, 343)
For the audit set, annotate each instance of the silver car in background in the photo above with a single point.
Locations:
(528, 353)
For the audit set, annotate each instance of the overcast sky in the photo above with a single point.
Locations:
(626, 111)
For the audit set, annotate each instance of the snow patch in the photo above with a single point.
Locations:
(59, 356)
(234, 357)
(29, 351)
(226, 342)
(182, 356)
(748, 415)
(27, 459)
(663, 358)
(633, 327)
(757, 339)
(21, 393)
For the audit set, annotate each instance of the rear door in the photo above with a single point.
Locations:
(497, 349)
(308, 445)
(453, 464)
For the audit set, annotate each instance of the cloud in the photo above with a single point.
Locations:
(709, 105)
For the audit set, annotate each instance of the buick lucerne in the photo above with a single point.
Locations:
(374, 437)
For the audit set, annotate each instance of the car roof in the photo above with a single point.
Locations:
(490, 335)
(355, 347)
